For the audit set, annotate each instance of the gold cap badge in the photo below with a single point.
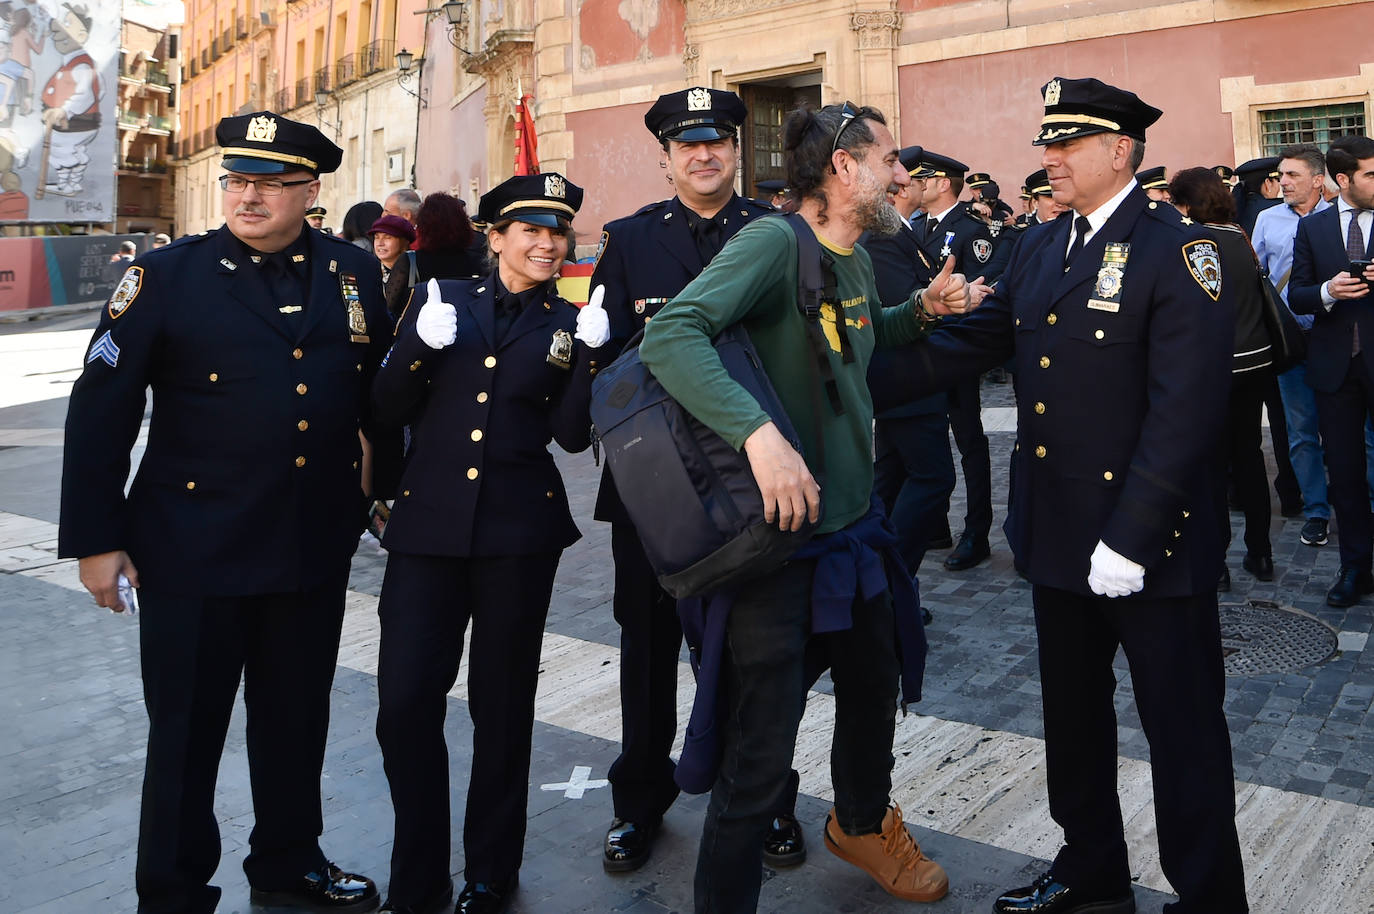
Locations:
(554, 186)
(262, 129)
(699, 100)
(1052, 93)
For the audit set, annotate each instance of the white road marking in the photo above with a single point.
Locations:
(580, 782)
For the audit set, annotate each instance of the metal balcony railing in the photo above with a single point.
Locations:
(345, 71)
(303, 93)
(285, 100)
(379, 55)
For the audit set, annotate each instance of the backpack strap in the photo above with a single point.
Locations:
(817, 286)
(414, 269)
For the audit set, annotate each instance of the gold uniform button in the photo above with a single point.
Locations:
(1052, 319)
(190, 487)
(1039, 408)
(1017, 446)
(214, 376)
(1177, 534)
(300, 461)
(1100, 334)
(549, 494)
(414, 365)
(591, 362)
(1168, 553)
(1044, 361)
(1018, 322)
(1107, 475)
(472, 472)
(406, 492)
(302, 425)
(359, 366)
(1186, 514)
(482, 397)
(301, 389)
(591, 371)
(296, 353)
(477, 434)
(355, 464)
(1040, 450)
(489, 361)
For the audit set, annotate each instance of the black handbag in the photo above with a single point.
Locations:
(1287, 340)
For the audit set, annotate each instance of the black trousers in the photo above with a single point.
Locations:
(194, 651)
(763, 682)
(1173, 647)
(1285, 480)
(966, 421)
(1341, 416)
(425, 607)
(913, 475)
(1246, 457)
(642, 785)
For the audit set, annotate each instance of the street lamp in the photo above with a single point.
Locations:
(407, 66)
(455, 19)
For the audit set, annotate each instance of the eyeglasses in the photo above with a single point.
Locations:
(267, 187)
(847, 114)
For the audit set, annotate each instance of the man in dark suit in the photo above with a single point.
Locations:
(950, 229)
(644, 260)
(1340, 356)
(1120, 327)
(259, 340)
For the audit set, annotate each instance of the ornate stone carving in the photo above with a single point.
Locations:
(876, 29)
(698, 10)
(691, 56)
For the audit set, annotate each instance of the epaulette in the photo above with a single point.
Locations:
(658, 204)
(1166, 213)
(762, 205)
(183, 240)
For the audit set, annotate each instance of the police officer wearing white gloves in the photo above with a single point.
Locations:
(485, 372)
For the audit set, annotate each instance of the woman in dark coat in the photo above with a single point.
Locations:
(1201, 196)
(444, 249)
(486, 372)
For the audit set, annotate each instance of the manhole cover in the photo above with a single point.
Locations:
(1263, 637)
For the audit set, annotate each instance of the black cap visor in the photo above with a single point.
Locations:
(698, 133)
(246, 166)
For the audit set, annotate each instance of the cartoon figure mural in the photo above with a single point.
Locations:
(71, 106)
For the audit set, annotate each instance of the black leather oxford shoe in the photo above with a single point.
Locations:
(1351, 584)
(628, 845)
(485, 897)
(326, 890)
(1047, 896)
(971, 550)
(1261, 566)
(784, 845)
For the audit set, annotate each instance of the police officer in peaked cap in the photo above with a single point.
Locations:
(259, 340)
(315, 216)
(645, 259)
(1154, 182)
(1257, 188)
(1120, 325)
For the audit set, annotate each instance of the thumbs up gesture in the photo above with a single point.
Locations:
(593, 326)
(437, 323)
(948, 292)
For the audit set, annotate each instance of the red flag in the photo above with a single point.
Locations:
(526, 144)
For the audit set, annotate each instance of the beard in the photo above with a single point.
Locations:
(875, 213)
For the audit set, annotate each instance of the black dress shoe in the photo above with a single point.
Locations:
(329, 889)
(1352, 583)
(971, 550)
(628, 845)
(436, 904)
(784, 845)
(1261, 566)
(1047, 896)
(485, 897)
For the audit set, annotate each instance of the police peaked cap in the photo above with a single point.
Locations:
(1082, 107)
(771, 187)
(934, 165)
(263, 143)
(317, 211)
(1268, 166)
(1038, 184)
(978, 179)
(910, 157)
(1152, 178)
(695, 115)
(1224, 172)
(537, 199)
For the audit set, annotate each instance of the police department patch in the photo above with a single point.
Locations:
(1204, 263)
(126, 291)
(982, 249)
(601, 248)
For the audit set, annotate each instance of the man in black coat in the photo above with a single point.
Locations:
(1121, 328)
(1331, 281)
(643, 261)
(259, 340)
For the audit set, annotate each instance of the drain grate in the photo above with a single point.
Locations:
(1263, 637)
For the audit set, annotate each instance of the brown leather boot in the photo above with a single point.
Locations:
(892, 857)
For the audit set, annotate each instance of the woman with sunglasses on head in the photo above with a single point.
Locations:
(486, 372)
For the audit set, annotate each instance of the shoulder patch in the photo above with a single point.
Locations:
(600, 249)
(982, 249)
(105, 350)
(1204, 264)
(125, 292)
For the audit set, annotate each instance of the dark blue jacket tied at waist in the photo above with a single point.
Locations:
(860, 561)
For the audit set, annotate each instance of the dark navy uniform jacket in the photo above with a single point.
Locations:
(976, 249)
(645, 259)
(250, 483)
(900, 267)
(1318, 255)
(478, 478)
(1119, 404)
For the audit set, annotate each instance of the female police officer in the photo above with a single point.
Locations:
(485, 372)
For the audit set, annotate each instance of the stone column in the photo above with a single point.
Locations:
(876, 32)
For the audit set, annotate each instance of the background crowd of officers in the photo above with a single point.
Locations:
(416, 368)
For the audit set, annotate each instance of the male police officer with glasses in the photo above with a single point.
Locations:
(259, 340)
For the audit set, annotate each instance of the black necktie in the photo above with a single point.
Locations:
(1354, 249)
(1081, 227)
(931, 225)
(706, 233)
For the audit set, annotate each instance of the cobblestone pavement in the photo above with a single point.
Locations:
(74, 723)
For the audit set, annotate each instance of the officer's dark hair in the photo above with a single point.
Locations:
(956, 184)
(499, 227)
(1204, 193)
(1309, 153)
(1345, 152)
(1253, 181)
(359, 219)
(808, 139)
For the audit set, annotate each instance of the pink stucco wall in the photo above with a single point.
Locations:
(615, 159)
(453, 146)
(984, 110)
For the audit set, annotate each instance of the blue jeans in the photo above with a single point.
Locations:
(1304, 441)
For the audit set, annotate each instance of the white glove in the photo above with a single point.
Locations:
(1114, 575)
(437, 323)
(593, 326)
